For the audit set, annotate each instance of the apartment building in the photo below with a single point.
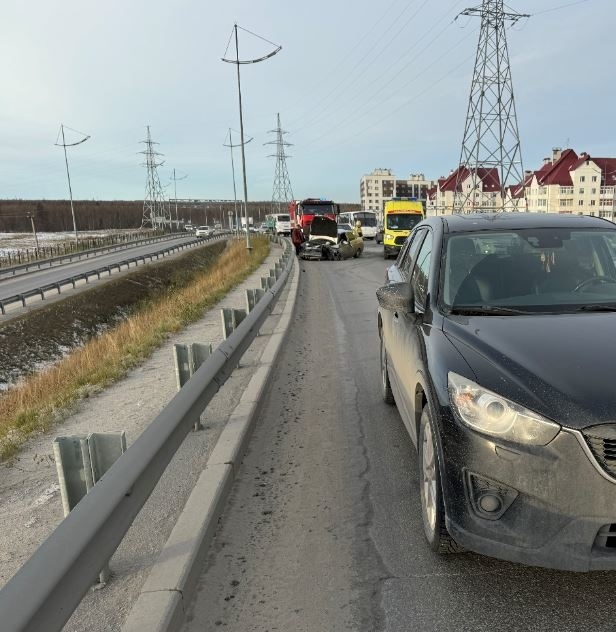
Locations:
(375, 188)
(440, 198)
(382, 185)
(565, 183)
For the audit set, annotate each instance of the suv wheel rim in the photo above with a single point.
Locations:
(428, 487)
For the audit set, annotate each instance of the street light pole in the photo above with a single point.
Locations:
(237, 62)
(68, 175)
(175, 193)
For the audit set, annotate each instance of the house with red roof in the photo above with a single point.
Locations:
(478, 189)
(568, 183)
(565, 183)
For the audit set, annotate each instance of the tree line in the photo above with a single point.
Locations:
(55, 215)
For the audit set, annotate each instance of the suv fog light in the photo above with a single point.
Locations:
(489, 499)
(490, 503)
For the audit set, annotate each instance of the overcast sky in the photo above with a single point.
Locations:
(358, 85)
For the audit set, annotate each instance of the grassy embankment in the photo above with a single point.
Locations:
(42, 399)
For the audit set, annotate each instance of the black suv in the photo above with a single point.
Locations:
(498, 346)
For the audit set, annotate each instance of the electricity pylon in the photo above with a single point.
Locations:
(155, 212)
(68, 175)
(491, 156)
(281, 192)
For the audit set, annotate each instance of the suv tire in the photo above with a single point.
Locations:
(386, 392)
(430, 493)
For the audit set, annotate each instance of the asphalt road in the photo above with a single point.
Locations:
(10, 286)
(323, 529)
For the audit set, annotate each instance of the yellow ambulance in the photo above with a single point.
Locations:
(400, 216)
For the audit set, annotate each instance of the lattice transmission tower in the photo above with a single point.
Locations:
(156, 213)
(491, 158)
(282, 193)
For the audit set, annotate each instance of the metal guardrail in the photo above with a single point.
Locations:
(84, 254)
(40, 291)
(51, 584)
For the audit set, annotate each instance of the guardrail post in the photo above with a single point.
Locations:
(81, 461)
(253, 296)
(188, 358)
(231, 318)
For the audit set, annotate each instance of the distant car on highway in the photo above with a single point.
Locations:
(204, 231)
(498, 347)
(189, 227)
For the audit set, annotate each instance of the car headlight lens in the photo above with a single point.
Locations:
(494, 415)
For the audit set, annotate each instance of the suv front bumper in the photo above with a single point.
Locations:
(562, 504)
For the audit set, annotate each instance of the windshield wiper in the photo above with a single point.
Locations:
(596, 308)
(487, 310)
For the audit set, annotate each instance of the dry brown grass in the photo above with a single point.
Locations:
(40, 400)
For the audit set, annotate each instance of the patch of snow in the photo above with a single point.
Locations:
(47, 495)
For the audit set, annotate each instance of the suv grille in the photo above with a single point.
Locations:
(602, 442)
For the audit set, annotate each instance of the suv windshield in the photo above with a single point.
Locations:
(547, 269)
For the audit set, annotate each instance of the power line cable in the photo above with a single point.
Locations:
(562, 6)
(377, 94)
(411, 80)
(414, 98)
(349, 74)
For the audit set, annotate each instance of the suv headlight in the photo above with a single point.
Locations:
(494, 415)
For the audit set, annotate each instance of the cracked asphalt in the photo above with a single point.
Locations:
(323, 528)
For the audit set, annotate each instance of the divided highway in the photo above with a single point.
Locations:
(323, 530)
(12, 286)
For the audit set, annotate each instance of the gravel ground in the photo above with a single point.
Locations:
(30, 505)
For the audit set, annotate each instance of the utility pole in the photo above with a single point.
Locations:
(237, 62)
(231, 146)
(68, 175)
(491, 155)
(282, 191)
(155, 212)
(175, 195)
(34, 233)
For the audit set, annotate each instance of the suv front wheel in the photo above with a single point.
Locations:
(386, 392)
(432, 507)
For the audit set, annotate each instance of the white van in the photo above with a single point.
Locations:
(282, 223)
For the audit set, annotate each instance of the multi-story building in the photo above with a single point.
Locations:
(381, 185)
(441, 198)
(568, 183)
(375, 188)
(565, 183)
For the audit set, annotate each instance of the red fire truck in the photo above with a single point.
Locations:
(302, 212)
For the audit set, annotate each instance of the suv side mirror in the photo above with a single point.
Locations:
(396, 297)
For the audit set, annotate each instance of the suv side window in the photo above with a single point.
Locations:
(410, 251)
(421, 273)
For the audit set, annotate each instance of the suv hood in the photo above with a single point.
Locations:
(323, 228)
(561, 366)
